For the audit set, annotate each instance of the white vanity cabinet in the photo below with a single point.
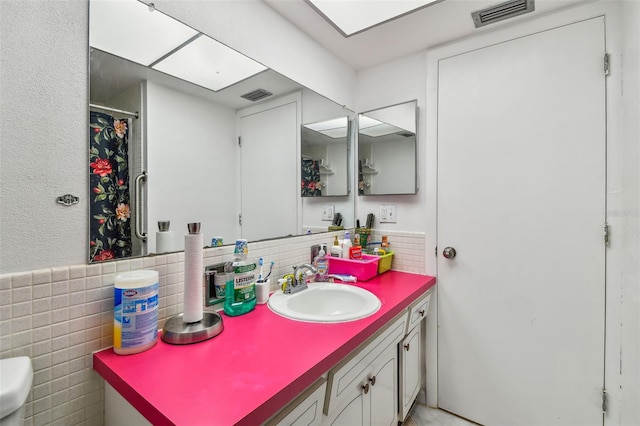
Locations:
(305, 410)
(363, 388)
(411, 357)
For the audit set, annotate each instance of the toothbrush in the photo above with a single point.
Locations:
(270, 269)
(260, 262)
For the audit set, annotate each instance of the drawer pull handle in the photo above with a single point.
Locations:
(407, 346)
(373, 380)
(421, 312)
(365, 388)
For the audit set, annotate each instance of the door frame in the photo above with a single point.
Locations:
(521, 27)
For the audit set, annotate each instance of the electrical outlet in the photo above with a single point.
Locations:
(327, 212)
(388, 213)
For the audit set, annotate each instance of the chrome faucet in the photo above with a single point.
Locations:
(299, 282)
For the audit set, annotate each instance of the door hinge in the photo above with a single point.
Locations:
(239, 218)
(606, 64)
(240, 141)
(605, 401)
(606, 234)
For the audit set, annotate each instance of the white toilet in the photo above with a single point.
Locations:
(16, 375)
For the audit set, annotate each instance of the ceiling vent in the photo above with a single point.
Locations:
(256, 95)
(501, 12)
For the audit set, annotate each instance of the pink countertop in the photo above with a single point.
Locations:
(258, 364)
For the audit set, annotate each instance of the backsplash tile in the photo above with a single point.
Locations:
(60, 316)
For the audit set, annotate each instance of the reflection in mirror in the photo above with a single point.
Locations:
(387, 150)
(181, 148)
(324, 158)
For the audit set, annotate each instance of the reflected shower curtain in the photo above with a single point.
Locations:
(110, 227)
(311, 178)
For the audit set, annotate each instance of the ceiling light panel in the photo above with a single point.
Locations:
(129, 29)
(209, 64)
(353, 16)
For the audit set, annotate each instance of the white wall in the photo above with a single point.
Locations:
(190, 140)
(43, 133)
(390, 84)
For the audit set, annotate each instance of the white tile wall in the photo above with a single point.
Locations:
(60, 316)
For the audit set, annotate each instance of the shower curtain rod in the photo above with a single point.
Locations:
(121, 111)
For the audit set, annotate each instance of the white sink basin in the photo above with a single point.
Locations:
(325, 302)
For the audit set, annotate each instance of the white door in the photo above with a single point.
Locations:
(269, 151)
(521, 198)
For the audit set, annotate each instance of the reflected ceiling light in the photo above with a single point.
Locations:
(131, 30)
(374, 128)
(209, 64)
(336, 128)
(353, 16)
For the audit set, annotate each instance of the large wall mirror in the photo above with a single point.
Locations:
(387, 150)
(184, 129)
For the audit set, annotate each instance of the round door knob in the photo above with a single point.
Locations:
(449, 252)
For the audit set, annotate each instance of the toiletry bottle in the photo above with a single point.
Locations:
(322, 265)
(385, 242)
(346, 245)
(336, 251)
(240, 297)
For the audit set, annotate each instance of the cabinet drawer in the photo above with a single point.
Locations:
(345, 380)
(305, 410)
(418, 311)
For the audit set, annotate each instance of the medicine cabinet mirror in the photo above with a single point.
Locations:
(387, 150)
(181, 159)
(325, 153)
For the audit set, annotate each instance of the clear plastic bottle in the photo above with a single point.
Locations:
(322, 265)
(240, 295)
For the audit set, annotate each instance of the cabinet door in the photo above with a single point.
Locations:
(383, 391)
(410, 372)
(352, 414)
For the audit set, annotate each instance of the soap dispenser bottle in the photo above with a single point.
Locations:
(336, 250)
(322, 265)
(240, 295)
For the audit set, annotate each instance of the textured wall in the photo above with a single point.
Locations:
(43, 122)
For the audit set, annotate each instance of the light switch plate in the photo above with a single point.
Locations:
(327, 212)
(388, 213)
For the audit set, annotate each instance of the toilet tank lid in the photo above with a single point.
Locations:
(16, 375)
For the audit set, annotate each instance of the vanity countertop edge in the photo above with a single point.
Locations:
(258, 364)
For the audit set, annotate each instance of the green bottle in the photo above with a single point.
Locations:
(240, 295)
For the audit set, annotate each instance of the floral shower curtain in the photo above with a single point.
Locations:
(311, 178)
(110, 228)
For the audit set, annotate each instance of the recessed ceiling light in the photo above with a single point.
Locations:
(209, 64)
(127, 28)
(354, 16)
